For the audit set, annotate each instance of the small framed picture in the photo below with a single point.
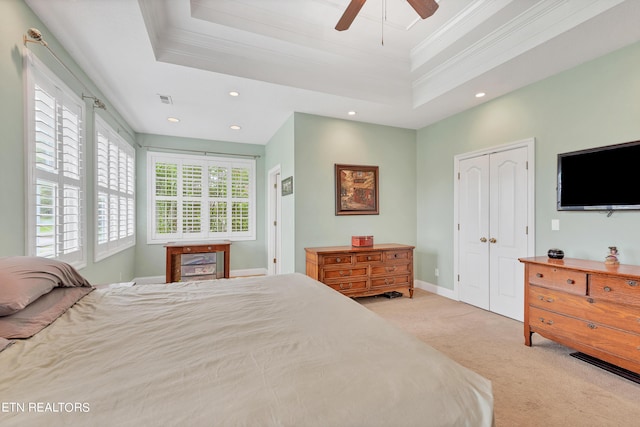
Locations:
(287, 186)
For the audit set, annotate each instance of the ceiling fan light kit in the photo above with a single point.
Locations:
(424, 8)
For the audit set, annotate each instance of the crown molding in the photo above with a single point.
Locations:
(535, 26)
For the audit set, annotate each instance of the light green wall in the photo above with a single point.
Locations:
(244, 254)
(15, 19)
(320, 143)
(591, 105)
(280, 152)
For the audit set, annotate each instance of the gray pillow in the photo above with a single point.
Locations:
(24, 279)
(38, 315)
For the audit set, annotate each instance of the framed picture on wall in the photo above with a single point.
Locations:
(287, 186)
(357, 190)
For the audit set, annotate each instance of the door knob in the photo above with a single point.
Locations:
(492, 240)
(483, 239)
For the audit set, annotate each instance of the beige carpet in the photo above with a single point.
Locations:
(532, 386)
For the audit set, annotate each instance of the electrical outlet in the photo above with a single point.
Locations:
(437, 272)
(555, 224)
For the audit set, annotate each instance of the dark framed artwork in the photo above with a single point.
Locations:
(287, 186)
(357, 190)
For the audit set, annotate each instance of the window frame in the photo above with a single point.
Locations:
(125, 216)
(37, 74)
(204, 161)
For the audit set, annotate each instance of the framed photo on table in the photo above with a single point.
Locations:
(357, 190)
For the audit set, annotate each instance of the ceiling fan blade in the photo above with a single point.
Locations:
(425, 8)
(349, 14)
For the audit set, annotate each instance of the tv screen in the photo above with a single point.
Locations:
(604, 178)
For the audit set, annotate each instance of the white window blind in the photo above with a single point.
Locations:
(200, 197)
(56, 172)
(115, 191)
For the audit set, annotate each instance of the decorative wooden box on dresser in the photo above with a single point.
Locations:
(586, 305)
(364, 270)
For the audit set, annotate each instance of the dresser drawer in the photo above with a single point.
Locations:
(613, 341)
(348, 286)
(390, 281)
(385, 270)
(336, 259)
(369, 257)
(400, 255)
(596, 310)
(332, 273)
(564, 279)
(617, 289)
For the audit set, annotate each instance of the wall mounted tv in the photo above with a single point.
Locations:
(604, 178)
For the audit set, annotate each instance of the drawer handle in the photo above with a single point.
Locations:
(395, 255)
(387, 282)
(368, 258)
(343, 287)
(632, 283)
(338, 260)
(188, 249)
(607, 289)
(592, 326)
(570, 281)
(348, 273)
(548, 322)
(539, 275)
(390, 269)
(549, 299)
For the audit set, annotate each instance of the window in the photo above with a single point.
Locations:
(115, 173)
(55, 155)
(200, 197)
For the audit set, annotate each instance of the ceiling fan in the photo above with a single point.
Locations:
(425, 9)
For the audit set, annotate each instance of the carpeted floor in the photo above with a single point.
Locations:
(533, 386)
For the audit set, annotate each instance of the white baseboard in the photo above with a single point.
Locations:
(435, 289)
(150, 280)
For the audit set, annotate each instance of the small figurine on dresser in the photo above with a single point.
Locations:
(612, 256)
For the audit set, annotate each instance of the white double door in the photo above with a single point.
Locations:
(493, 230)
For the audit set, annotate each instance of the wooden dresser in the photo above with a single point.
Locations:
(586, 305)
(361, 271)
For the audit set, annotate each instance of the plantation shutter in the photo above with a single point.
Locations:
(56, 182)
(199, 197)
(115, 191)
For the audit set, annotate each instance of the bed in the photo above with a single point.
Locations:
(262, 351)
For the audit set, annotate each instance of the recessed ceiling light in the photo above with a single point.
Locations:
(352, 113)
(234, 93)
(235, 127)
(480, 94)
(173, 119)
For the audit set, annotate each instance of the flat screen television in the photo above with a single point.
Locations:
(604, 178)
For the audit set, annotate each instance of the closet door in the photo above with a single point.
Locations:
(492, 214)
(507, 231)
(473, 226)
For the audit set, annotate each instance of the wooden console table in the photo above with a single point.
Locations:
(586, 305)
(175, 251)
(363, 270)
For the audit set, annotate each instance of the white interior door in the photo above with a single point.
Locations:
(273, 221)
(507, 231)
(493, 205)
(473, 229)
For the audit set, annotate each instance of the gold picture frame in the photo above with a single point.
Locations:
(357, 190)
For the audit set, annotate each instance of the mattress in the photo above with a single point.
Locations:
(263, 351)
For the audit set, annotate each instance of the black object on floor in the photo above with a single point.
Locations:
(624, 373)
(392, 294)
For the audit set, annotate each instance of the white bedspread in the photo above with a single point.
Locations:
(265, 351)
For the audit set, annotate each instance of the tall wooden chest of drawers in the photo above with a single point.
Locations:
(586, 305)
(361, 271)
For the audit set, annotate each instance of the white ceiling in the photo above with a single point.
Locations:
(284, 56)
